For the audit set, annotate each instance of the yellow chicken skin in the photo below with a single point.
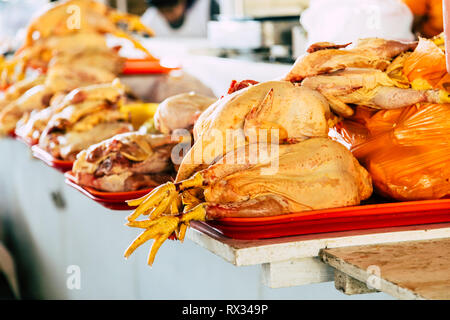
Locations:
(71, 16)
(300, 170)
(60, 79)
(88, 116)
(31, 127)
(367, 87)
(307, 174)
(373, 53)
(67, 27)
(314, 174)
(294, 113)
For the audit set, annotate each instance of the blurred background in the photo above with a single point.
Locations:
(259, 30)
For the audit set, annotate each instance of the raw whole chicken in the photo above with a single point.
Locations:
(370, 74)
(180, 111)
(294, 113)
(90, 115)
(80, 45)
(60, 79)
(126, 162)
(72, 16)
(35, 98)
(299, 169)
(30, 127)
(67, 27)
(18, 89)
(323, 58)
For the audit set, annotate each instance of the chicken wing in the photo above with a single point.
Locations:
(368, 53)
(367, 87)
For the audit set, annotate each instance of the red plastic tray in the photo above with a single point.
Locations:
(339, 219)
(47, 158)
(145, 66)
(368, 216)
(110, 200)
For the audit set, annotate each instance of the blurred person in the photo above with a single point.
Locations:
(428, 20)
(178, 18)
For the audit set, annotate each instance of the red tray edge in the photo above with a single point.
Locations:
(123, 196)
(275, 231)
(44, 156)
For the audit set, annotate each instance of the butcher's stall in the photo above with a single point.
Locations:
(274, 156)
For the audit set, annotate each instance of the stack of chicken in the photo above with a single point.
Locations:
(392, 97)
(146, 158)
(380, 98)
(263, 149)
(65, 48)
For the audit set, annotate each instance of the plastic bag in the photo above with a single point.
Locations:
(407, 150)
(426, 63)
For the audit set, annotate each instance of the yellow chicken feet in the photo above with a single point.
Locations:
(162, 227)
(164, 220)
(161, 199)
(155, 203)
(198, 214)
(159, 230)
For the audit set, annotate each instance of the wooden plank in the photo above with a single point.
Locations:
(349, 285)
(296, 272)
(407, 270)
(253, 252)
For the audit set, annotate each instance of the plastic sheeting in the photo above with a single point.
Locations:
(407, 150)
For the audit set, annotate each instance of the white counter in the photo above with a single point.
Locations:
(46, 239)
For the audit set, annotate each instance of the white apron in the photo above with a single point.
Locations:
(195, 21)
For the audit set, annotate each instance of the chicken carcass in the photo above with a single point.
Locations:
(89, 117)
(125, 162)
(19, 88)
(72, 16)
(30, 127)
(35, 98)
(293, 113)
(327, 57)
(368, 87)
(255, 177)
(79, 45)
(180, 111)
(60, 79)
(69, 26)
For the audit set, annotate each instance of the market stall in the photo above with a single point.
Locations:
(251, 180)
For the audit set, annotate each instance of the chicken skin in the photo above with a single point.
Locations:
(292, 113)
(60, 79)
(369, 87)
(90, 115)
(298, 169)
(67, 27)
(307, 173)
(373, 53)
(180, 111)
(126, 162)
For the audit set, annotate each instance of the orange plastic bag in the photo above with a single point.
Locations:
(407, 150)
(427, 62)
